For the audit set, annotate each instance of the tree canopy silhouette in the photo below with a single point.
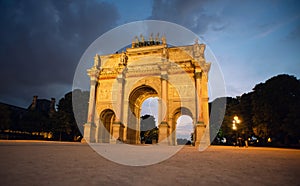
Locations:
(65, 117)
(271, 110)
(148, 130)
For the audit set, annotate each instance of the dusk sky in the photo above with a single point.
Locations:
(41, 42)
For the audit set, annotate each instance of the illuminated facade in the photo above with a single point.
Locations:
(120, 83)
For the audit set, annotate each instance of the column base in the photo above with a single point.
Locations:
(117, 134)
(163, 133)
(89, 133)
(199, 132)
(83, 141)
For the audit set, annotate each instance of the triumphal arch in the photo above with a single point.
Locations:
(120, 82)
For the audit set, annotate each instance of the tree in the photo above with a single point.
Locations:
(34, 121)
(67, 128)
(5, 117)
(217, 112)
(271, 110)
(80, 101)
(275, 108)
(244, 112)
(148, 130)
(230, 112)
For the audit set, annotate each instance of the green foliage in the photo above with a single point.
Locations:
(80, 100)
(270, 110)
(231, 111)
(34, 121)
(276, 105)
(6, 121)
(65, 118)
(217, 111)
(245, 112)
(148, 129)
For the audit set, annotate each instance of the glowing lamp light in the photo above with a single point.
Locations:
(236, 119)
(269, 140)
(234, 127)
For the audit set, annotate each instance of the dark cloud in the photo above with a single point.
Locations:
(192, 14)
(41, 42)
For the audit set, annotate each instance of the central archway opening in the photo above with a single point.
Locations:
(149, 121)
(137, 97)
(184, 130)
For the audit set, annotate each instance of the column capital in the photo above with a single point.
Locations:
(93, 73)
(164, 76)
(198, 75)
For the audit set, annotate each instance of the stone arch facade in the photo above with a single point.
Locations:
(120, 83)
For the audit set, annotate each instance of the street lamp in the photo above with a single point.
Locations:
(234, 127)
(235, 121)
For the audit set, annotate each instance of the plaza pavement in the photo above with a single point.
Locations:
(63, 163)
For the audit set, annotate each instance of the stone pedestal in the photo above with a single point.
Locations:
(199, 132)
(89, 133)
(83, 141)
(163, 133)
(117, 132)
(172, 137)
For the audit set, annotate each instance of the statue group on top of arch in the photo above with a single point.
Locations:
(120, 83)
(152, 41)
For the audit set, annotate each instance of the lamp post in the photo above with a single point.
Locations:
(234, 127)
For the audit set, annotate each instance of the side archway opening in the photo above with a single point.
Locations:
(184, 130)
(182, 126)
(107, 117)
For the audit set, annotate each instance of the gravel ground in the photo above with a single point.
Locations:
(59, 163)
